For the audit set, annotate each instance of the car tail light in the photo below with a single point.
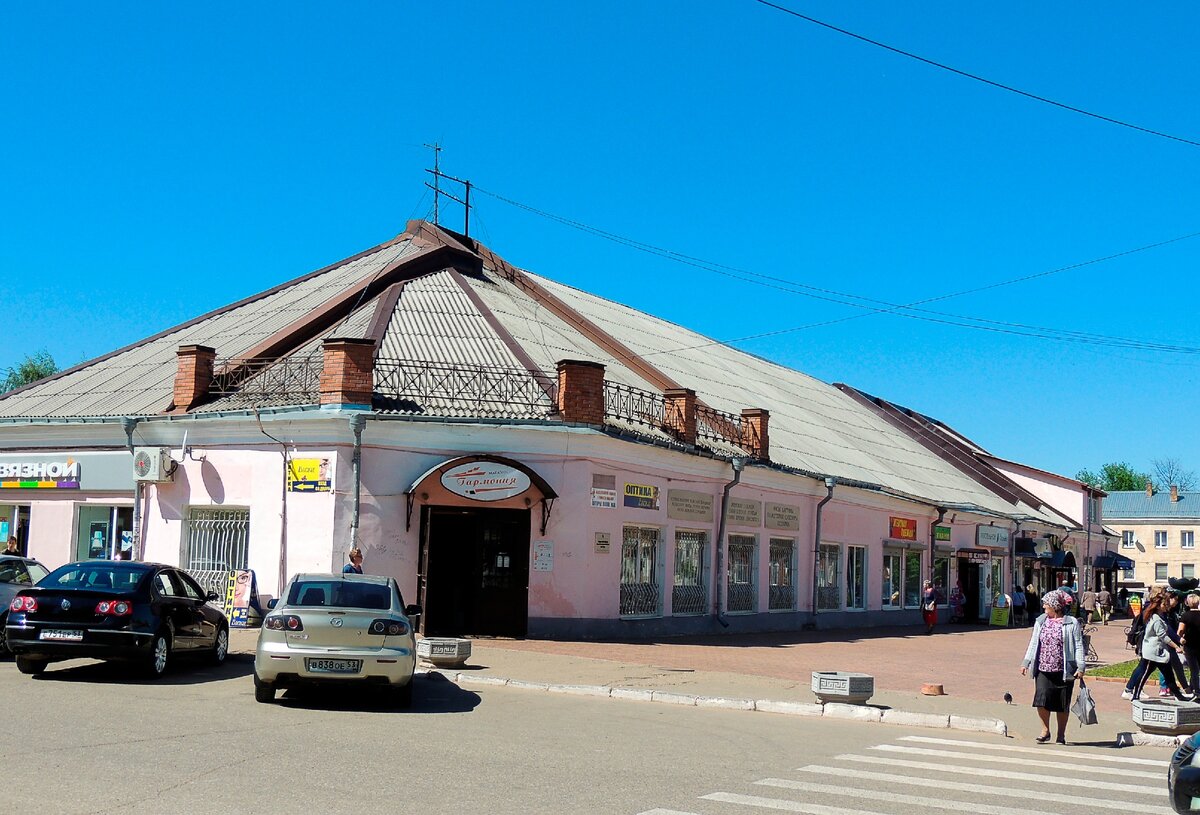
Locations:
(283, 622)
(114, 608)
(23, 604)
(389, 628)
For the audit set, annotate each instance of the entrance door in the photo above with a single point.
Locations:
(968, 576)
(476, 576)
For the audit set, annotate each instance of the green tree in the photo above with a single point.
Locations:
(34, 367)
(1114, 477)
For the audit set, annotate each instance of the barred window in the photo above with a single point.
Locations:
(781, 575)
(740, 595)
(829, 577)
(689, 594)
(639, 572)
(217, 539)
(856, 577)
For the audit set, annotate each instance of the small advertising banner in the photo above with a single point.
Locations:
(485, 481)
(240, 589)
(941, 534)
(604, 491)
(309, 475)
(1135, 604)
(641, 496)
(543, 556)
(903, 529)
(1000, 610)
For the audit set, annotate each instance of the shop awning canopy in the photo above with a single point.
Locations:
(1112, 560)
(1062, 559)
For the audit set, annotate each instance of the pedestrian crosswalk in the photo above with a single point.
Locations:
(921, 773)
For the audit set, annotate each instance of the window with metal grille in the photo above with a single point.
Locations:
(829, 567)
(639, 572)
(689, 595)
(782, 586)
(217, 539)
(740, 594)
(856, 577)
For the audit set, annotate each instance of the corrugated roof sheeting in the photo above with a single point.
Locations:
(1133, 504)
(435, 321)
(813, 425)
(140, 380)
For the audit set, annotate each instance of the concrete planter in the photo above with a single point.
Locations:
(842, 686)
(444, 652)
(1166, 716)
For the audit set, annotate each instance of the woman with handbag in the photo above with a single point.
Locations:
(1055, 658)
(1157, 646)
(929, 601)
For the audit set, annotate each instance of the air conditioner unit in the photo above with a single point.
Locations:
(152, 464)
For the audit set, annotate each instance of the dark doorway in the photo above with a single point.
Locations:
(968, 577)
(474, 571)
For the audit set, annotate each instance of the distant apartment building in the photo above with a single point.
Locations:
(1158, 533)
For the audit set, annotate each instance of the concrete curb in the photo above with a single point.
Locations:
(832, 710)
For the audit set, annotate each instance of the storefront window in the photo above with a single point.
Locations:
(781, 568)
(997, 585)
(829, 590)
(941, 577)
(912, 579)
(740, 594)
(639, 572)
(856, 577)
(893, 578)
(689, 595)
(104, 532)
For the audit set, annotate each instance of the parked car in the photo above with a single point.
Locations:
(337, 628)
(15, 574)
(144, 613)
(1183, 777)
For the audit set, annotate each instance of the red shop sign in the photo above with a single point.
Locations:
(904, 529)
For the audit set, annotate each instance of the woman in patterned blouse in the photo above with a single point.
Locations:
(1055, 657)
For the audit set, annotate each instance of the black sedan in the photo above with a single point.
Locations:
(144, 613)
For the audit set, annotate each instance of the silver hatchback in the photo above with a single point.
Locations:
(337, 628)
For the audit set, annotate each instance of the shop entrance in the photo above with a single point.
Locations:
(474, 571)
(969, 579)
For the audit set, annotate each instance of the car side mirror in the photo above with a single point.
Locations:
(212, 595)
(274, 601)
(412, 610)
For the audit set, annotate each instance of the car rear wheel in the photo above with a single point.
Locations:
(220, 647)
(403, 696)
(26, 665)
(263, 691)
(160, 655)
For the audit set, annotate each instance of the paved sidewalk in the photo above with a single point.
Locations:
(976, 666)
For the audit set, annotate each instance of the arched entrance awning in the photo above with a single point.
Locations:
(482, 480)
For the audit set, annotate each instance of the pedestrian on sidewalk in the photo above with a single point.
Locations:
(1087, 605)
(1031, 603)
(1018, 607)
(1055, 656)
(929, 604)
(1157, 646)
(1189, 635)
(355, 564)
(1104, 601)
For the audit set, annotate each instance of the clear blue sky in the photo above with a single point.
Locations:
(157, 162)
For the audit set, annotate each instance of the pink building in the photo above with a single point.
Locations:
(526, 458)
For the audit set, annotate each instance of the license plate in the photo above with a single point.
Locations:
(334, 666)
(57, 634)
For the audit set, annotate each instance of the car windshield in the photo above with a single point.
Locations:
(339, 593)
(99, 575)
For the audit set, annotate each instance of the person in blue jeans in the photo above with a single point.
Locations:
(1018, 607)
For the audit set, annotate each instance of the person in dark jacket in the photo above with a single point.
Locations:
(355, 564)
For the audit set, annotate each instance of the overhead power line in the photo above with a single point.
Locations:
(873, 306)
(976, 77)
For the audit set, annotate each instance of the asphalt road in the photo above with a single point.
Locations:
(90, 738)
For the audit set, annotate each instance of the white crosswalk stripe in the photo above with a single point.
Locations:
(920, 774)
(1049, 765)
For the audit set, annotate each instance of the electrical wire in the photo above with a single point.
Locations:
(874, 306)
(976, 77)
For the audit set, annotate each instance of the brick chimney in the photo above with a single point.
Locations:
(581, 391)
(1174, 494)
(679, 414)
(1149, 490)
(348, 372)
(193, 375)
(755, 438)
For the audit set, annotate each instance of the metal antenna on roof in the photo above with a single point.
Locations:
(436, 147)
(438, 175)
